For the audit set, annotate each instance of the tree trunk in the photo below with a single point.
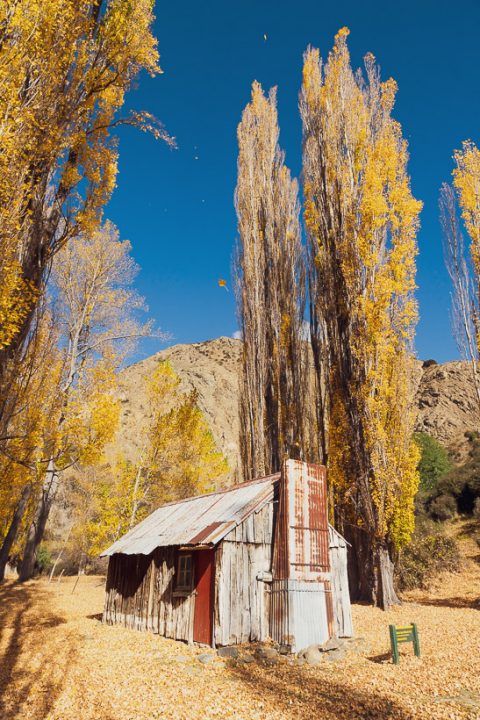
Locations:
(135, 503)
(59, 556)
(385, 590)
(370, 569)
(37, 528)
(13, 529)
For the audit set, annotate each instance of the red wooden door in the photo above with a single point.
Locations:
(203, 617)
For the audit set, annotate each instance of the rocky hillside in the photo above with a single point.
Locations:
(212, 369)
(445, 396)
(446, 402)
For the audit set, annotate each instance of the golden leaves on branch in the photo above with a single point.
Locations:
(179, 459)
(64, 70)
(64, 410)
(362, 221)
(466, 179)
(16, 299)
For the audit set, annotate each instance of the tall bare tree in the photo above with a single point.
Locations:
(270, 294)
(463, 269)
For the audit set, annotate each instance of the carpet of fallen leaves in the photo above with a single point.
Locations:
(58, 662)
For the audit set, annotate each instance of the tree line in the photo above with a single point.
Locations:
(326, 301)
(342, 393)
(69, 315)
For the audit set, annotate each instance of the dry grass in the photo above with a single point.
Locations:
(57, 661)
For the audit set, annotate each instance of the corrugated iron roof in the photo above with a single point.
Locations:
(201, 520)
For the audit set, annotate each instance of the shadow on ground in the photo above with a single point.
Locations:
(381, 659)
(451, 602)
(317, 696)
(32, 668)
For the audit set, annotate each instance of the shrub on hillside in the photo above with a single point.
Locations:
(476, 509)
(443, 507)
(434, 461)
(463, 482)
(429, 552)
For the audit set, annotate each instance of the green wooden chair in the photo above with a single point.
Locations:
(403, 634)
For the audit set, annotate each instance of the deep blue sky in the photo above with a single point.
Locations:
(176, 207)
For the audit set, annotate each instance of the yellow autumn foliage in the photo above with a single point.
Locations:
(60, 400)
(16, 299)
(362, 222)
(65, 67)
(466, 179)
(179, 459)
(32, 404)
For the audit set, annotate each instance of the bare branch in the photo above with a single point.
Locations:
(465, 311)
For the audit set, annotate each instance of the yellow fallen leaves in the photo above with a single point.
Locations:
(58, 662)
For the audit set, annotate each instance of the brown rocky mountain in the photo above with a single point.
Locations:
(446, 402)
(445, 396)
(209, 367)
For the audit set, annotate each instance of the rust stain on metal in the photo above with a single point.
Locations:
(203, 534)
(330, 613)
(303, 523)
(202, 519)
(301, 549)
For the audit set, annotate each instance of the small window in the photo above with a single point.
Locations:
(184, 572)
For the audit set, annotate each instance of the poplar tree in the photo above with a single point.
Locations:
(96, 315)
(361, 221)
(270, 294)
(65, 66)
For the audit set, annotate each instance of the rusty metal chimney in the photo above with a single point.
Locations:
(301, 595)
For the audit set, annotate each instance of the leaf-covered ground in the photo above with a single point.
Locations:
(57, 661)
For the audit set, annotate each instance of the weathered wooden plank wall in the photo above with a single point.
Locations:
(140, 595)
(342, 610)
(242, 600)
(140, 589)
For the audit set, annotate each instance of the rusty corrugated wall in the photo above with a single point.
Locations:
(301, 593)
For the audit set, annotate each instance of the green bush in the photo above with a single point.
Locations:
(429, 552)
(43, 559)
(434, 461)
(443, 507)
(434, 464)
(446, 489)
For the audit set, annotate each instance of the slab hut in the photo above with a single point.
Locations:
(253, 562)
